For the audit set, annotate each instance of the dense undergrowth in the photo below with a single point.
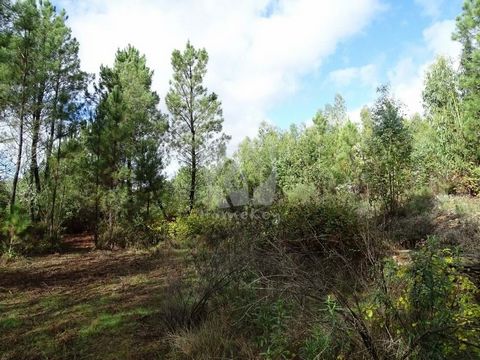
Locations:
(327, 278)
(333, 288)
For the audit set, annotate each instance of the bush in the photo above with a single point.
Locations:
(329, 336)
(318, 227)
(15, 229)
(472, 181)
(201, 229)
(425, 310)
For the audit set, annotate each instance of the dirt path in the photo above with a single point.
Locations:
(86, 304)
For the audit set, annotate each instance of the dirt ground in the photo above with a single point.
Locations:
(86, 304)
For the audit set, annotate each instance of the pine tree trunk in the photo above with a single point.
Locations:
(193, 183)
(20, 136)
(19, 162)
(34, 173)
(55, 186)
(51, 135)
(35, 138)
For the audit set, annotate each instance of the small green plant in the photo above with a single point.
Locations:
(272, 319)
(15, 227)
(328, 337)
(318, 345)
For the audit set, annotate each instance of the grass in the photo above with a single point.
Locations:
(10, 321)
(96, 305)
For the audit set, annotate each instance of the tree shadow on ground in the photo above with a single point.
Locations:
(101, 304)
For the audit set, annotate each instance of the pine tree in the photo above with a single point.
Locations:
(127, 139)
(197, 120)
(20, 77)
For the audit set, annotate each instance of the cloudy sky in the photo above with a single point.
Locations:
(277, 60)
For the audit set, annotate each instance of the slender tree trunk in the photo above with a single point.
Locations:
(55, 184)
(35, 138)
(19, 161)
(20, 137)
(95, 235)
(48, 150)
(129, 189)
(230, 202)
(193, 183)
(51, 135)
(193, 179)
(162, 209)
(148, 204)
(97, 198)
(34, 173)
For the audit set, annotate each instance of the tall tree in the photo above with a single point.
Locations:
(20, 76)
(43, 84)
(64, 100)
(442, 103)
(45, 46)
(336, 113)
(389, 151)
(197, 120)
(468, 34)
(127, 137)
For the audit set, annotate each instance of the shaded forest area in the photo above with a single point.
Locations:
(332, 240)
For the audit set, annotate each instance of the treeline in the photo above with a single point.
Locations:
(91, 155)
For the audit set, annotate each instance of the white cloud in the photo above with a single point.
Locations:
(354, 115)
(407, 76)
(430, 7)
(438, 38)
(255, 60)
(406, 79)
(366, 75)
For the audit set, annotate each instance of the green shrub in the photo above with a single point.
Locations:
(428, 308)
(201, 228)
(317, 227)
(272, 320)
(15, 228)
(472, 181)
(319, 345)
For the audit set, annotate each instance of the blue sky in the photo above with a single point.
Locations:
(395, 34)
(277, 60)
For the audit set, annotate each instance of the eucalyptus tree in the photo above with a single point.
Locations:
(389, 151)
(196, 115)
(468, 34)
(444, 112)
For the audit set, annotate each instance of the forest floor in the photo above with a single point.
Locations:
(93, 304)
(86, 304)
